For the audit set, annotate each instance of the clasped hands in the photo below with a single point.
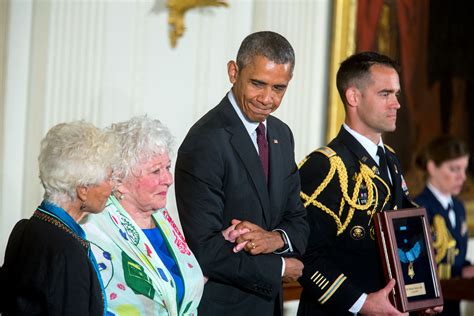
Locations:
(252, 238)
(255, 240)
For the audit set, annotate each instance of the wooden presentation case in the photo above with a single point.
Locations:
(417, 283)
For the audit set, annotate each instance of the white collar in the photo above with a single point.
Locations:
(442, 198)
(368, 145)
(249, 126)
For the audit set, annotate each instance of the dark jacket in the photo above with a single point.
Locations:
(219, 177)
(459, 233)
(47, 271)
(342, 259)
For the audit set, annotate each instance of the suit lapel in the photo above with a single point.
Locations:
(356, 148)
(245, 150)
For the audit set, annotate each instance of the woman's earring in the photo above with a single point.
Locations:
(118, 194)
(83, 205)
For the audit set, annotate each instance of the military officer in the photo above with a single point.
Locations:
(343, 186)
(445, 161)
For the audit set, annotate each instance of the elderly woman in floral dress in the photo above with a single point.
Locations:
(144, 260)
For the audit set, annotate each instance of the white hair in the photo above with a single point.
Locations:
(139, 139)
(74, 154)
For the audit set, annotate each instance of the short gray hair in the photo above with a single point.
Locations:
(140, 139)
(270, 45)
(71, 155)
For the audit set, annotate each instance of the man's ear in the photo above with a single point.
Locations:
(352, 96)
(81, 192)
(232, 71)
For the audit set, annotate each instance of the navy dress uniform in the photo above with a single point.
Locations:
(342, 189)
(449, 240)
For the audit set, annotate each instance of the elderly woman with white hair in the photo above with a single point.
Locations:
(49, 268)
(145, 262)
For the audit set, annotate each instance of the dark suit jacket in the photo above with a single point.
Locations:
(339, 268)
(219, 177)
(47, 271)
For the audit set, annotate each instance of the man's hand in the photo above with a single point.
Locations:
(468, 272)
(377, 303)
(434, 310)
(293, 269)
(257, 239)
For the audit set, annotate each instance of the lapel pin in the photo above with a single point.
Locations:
(364, 159)
(275, 141)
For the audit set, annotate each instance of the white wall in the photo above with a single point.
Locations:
(14, 109)
(105, 61)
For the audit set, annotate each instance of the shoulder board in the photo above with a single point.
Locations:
(389, 148)
(327, 151)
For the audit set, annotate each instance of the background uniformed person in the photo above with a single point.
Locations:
(445, 161)
(343, 186)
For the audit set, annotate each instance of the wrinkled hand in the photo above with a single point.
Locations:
(257, 240)
(377, 303)
(293, 269)
(231, 234)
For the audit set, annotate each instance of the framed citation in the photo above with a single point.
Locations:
(404, 241)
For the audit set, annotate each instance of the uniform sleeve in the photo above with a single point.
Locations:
(322, 279)
(199, 180)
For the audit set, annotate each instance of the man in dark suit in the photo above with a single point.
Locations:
(236, 167)
(343, 186)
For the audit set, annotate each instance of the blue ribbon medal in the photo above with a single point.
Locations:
(409, 257)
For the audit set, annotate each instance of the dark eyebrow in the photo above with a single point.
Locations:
(258, 81)
(390, 91)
